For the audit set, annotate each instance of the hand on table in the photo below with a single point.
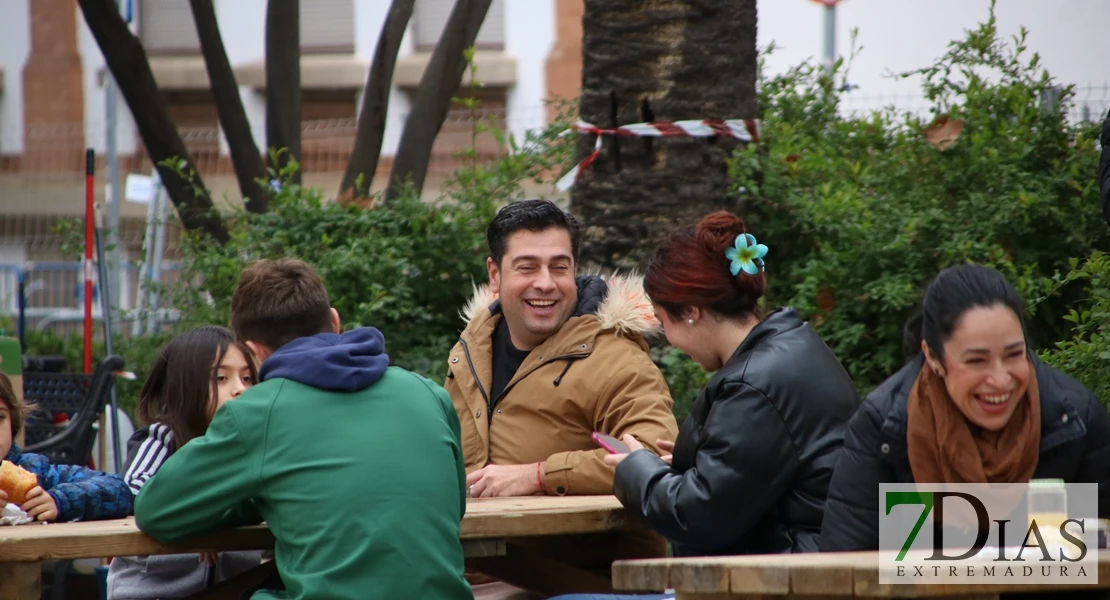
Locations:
(40, 505)
(503, 480)
(634, 445)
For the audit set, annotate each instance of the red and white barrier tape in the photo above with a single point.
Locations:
(745, 130)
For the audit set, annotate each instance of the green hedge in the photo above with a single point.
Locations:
(861, 212)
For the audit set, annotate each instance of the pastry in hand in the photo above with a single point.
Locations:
(16, 481)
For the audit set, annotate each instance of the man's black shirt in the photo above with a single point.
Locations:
(506, 361)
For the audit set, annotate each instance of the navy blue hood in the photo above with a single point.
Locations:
(346, 362)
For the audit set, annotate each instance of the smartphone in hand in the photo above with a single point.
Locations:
(610, 443)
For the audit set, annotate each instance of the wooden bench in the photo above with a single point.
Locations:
(484, 530)
(808, 576)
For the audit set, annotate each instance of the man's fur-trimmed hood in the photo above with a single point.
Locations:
(618, 302)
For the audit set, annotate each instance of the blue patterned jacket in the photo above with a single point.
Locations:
(81, 494)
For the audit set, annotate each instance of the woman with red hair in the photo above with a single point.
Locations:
(752, 463)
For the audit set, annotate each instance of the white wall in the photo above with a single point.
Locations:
(908, 34)
(15, 46)
(529, 36)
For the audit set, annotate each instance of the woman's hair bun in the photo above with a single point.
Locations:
(718, 230)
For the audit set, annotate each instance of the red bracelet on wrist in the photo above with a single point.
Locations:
(539, 475)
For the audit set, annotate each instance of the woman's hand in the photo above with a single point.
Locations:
(668, 447)
(634, 445)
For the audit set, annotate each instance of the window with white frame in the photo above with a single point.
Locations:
(167, 27)
(430, 16)
(328, 26)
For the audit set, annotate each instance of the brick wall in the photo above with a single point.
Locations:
(53, 96)
(564, 62)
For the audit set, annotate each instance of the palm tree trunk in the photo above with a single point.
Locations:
(659, 60)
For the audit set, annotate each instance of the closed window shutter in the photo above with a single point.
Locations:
(431, 16)
(167, 27)
(492, 33)
(328, 25)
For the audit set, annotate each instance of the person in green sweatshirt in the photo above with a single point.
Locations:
(355, 466)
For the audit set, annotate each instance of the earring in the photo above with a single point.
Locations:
(690, 321)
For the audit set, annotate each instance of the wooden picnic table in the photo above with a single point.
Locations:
(484, 530)
(809, 576)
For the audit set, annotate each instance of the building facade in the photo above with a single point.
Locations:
(53, 84)
(54, 90)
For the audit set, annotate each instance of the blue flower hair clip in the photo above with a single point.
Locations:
(746, 255)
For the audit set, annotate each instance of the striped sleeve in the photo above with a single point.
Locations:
(154, 451)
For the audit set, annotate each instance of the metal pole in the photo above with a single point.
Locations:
(142, 299)
(22, 324)
(113, 197)
(106, 326)
(830, 35)
(153, 320)
(90, 174)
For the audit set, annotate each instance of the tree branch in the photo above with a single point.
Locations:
(433, 97)
(249, 169)
(126, 59)
(375, 104)
(283, 81)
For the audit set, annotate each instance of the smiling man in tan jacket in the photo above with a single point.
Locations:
(546, 359)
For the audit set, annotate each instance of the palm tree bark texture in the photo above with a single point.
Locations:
(652, 61)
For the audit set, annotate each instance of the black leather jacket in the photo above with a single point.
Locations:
(753, 460)
(1075, 447)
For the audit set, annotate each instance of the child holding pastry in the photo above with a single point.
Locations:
(49, 492)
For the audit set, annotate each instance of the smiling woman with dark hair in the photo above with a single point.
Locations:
(974, 406)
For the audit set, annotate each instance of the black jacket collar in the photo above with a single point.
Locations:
(783, 319)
